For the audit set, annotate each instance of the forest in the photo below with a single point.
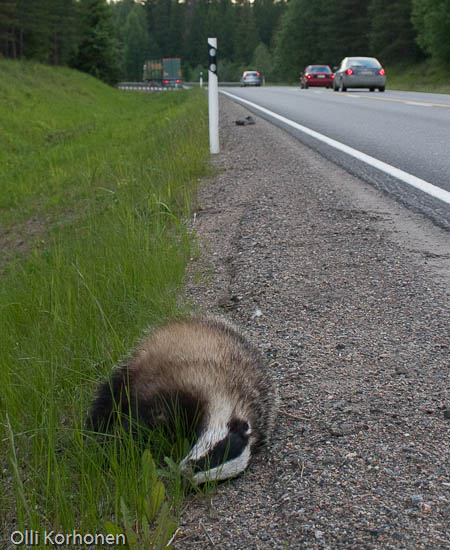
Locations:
(111, 40)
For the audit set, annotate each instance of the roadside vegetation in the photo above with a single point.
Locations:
(97, 186)
(419, 77)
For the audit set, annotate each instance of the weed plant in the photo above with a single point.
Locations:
(106, 180)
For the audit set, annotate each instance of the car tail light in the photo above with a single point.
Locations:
(178, 81)
(308, 76)
(382, 72)
(257, 74)
(165, 82)
(349, 71)
(332, 76)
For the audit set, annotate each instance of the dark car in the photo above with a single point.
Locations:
(360, 72)
(251, 78)
(316, 75)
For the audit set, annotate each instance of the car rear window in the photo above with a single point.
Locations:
(251, 74)
(319, 69)
(357, 62)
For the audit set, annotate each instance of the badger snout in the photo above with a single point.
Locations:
(219, 453)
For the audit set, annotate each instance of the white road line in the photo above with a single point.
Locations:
(420, 104)
(396, 100)
(418, 183)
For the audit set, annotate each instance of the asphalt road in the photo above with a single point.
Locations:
(409, 131)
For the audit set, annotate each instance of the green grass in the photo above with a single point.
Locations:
(419, 77)
(106, 180)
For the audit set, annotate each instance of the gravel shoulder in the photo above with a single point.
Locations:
(347, 295)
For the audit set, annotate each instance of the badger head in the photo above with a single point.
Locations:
(223, 450)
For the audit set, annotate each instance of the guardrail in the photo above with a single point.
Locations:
(205, 84)
(144, 87)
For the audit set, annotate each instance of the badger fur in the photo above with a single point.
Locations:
(208, 371)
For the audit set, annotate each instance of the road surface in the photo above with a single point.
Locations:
(397, 141)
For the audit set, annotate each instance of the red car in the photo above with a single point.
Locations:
(316, 75)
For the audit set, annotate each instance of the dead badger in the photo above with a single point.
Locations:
(208, 371)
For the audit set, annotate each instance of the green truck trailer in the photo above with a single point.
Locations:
(163, 72)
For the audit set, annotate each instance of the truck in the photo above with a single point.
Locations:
(163, 72)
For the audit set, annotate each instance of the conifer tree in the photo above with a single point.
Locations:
(345, 27)
(296, 41)
(62, 29)
(98, 52)
(267, 14)
(135, 43)
(197, 32)
(245, 34)
(392, 36)
(176, 30)
(431, 18)
(8, 27)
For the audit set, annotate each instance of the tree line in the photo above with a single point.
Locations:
(111, 40)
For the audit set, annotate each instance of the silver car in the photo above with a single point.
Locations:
(359, 72)
(251, 78)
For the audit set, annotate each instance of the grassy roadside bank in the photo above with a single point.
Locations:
(421, 77)
(98, 185)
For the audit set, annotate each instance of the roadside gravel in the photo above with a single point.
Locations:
(348, 297)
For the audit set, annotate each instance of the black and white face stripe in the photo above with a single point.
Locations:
(227, 449)
(220, 453)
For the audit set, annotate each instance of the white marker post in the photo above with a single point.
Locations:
(213, 97)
